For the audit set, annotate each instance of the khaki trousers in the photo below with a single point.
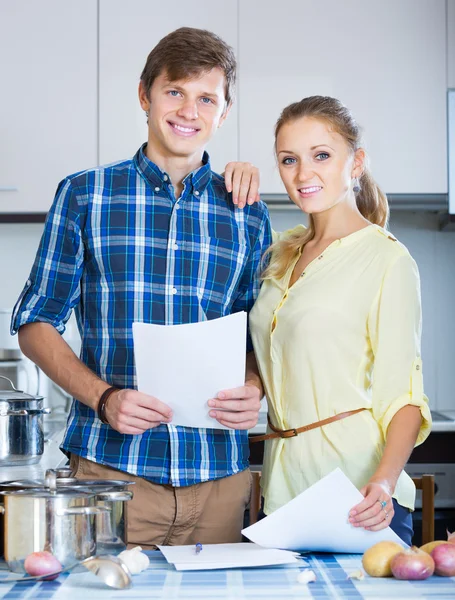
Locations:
(208, 513)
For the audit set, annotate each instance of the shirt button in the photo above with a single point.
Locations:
(174, 291)
(176, 246)
(165, 178)
(196, 193)
(177, 206)
(417, 367)
(157, 189)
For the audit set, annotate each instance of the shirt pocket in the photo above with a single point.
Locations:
(221, 266)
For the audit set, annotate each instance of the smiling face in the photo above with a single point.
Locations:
(316, 164)
(184, 115)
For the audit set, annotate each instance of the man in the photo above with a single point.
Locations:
(154, 239)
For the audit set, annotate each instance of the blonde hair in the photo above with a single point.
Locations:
(371, 200)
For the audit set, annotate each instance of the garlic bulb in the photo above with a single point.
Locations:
(135, 560)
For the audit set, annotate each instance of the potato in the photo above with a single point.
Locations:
(377, 559)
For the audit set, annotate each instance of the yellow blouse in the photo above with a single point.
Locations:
(346, 336)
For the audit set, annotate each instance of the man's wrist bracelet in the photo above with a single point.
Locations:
(101, 408)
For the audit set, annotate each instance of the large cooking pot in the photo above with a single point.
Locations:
(21, 426)
(112, 525)
(59, 521)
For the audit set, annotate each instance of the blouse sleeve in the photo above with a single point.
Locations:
(395, 329)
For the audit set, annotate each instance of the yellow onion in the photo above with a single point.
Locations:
(444, 559)
(412, 564)
(428, 547)
(377, 560)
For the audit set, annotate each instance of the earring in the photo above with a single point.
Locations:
(147, 114)
(356, 185)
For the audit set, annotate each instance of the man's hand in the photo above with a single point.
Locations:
(132, 412)
(242, 179)
(240, 407)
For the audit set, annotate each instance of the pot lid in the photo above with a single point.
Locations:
(62, 484)
(8, 392)
(44, 492)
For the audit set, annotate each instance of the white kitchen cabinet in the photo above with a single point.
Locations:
(128, 32)
(385, 60)
(48, 104)
(451, 43)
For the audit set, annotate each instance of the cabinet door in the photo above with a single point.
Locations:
(48, 98)
(385, 60)
(127, 34)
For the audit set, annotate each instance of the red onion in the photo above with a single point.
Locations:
(444, 560)
(412, 564)
(41, 563)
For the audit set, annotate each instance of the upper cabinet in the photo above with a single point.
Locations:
(127, 35)
(48, 75)
(385, 60)
(451, 43)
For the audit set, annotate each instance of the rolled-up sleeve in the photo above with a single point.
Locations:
(53, 287)
(395, 331)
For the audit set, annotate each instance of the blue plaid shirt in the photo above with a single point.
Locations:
(119, 248)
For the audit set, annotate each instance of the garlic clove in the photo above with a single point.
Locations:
(306, 576)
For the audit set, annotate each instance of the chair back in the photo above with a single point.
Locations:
(426, 484)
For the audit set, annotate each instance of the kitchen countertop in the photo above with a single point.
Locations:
(161, 581)
(52, 458)
(443, 420)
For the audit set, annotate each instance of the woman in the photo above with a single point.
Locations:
(336, 328)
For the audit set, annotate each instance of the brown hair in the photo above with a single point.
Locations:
(371, 200)
(189, 52)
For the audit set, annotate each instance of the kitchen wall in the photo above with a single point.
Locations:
(433, 250)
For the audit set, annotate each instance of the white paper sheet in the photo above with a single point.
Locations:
(226, 556)
(317, 520)
(184, 366)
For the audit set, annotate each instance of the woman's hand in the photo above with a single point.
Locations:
(375, 512)
(242, 179)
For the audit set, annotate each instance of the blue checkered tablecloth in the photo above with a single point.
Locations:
(163, 581)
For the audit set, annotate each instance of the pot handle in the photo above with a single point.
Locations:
(24, 412)
(82, 510)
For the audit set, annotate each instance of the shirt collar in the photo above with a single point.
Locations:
(197, 180)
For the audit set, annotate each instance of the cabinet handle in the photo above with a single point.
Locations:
(8, 189)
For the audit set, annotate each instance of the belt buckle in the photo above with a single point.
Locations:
(288, 433)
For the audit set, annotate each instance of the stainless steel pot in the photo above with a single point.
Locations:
(111, 526)
(61, 522)
(21, 426)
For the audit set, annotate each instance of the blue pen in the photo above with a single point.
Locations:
(198, 548)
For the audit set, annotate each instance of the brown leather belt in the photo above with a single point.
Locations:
(287, 433)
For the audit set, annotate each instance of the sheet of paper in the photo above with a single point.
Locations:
(226, 556)
(317, 520)
(186, 365)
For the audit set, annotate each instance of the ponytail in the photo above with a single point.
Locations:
(371, 200)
